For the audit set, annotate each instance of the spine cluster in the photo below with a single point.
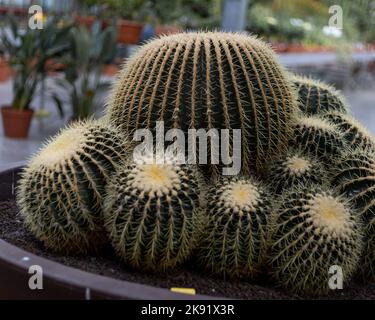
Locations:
(312, 230)
(60, 193)
(234, 240)
(204, 81)
(354, 175)
(154, 213)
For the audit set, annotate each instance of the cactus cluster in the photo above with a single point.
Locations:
(60, 192)
(311, 231)
(316, 97)
(208, 80)
(303, 203)
(234, 243)
(154, 213)
(354, 175)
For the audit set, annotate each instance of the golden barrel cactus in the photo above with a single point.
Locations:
(235, 238)
(311, 231)
(61, 189)
(354, 175)
(206, 80)
(316, 97)
(154, 212)
(354, 133)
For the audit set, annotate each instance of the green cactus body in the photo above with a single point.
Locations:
(208, 80)
(316, 97)
(294, 168)
(317, 137)
(60, 192)
(354, 133)
(234, 240)
(355, 176)
(311, 231)
(154, 213)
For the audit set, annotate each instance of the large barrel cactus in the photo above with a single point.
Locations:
(61, 189)
(316, 97)
(204, 81)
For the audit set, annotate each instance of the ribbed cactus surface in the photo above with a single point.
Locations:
(234, 241)
(316, 97)
(61, 189)
(208, 80)
(292, 169)
(154, 213)
(312, 230)
(354, 133)
(354, 175)
(318, 137)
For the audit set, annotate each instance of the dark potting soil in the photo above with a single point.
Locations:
(13, 231)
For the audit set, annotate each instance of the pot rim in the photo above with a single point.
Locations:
(75, 279)
(8, 108)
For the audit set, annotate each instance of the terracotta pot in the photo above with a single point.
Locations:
(6, 71)
(16, 123)
(86, 21)
(129, 32)
(60, 281)
(166, 30)
(3, 10)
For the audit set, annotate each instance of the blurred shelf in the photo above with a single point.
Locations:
(319, 58)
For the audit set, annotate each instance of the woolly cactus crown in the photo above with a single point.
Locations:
(208, 80)
(60, 192)
(293, 168)
(154, 212)
(234, 241)
(312, 230)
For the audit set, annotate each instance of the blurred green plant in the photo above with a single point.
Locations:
(187, 13)
(28, 52)
(89, 51)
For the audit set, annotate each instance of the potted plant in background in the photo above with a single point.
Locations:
(128, 26)
(89, 52)
(27, 51)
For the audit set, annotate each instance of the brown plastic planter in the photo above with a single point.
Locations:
(16, 122)
(59, 281)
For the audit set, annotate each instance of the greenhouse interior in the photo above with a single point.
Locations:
(188, 149)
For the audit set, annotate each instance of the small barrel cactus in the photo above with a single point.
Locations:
(318, 137)
(292, 169)
(208, 80)
(60, 192)
(354, 175)
(312, 231)
(154, 213)
(234, 241)
(354, 133)
(316, 97)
